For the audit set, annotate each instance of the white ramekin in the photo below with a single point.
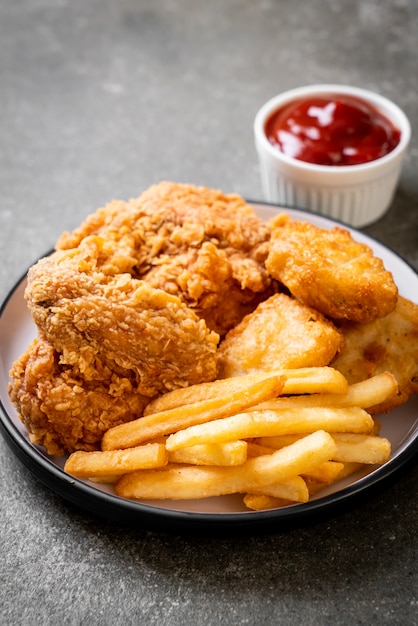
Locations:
(354, 194)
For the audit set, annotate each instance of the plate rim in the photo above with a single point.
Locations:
(150, 517)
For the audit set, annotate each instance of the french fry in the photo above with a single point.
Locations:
(348, 469)
(115, 462)
(293, 490)
(327, 472)
(220, 388)
(226, 454)
(270, 423)
(351, 447)
(302, 380)
(257, 502)
(364, 394)
(184, 483)
(171, 420)
(314, 486)
(277, 441)
(356, 448)
(256, 449)
(376, 427)
(312, 380)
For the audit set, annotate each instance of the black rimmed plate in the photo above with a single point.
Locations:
(224, 514)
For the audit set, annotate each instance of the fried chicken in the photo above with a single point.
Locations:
(280, 333)
(65, 410)
(129, 306)
(329, 271)
(124, 322)
(389, 344)
(205, 247)
(106, 345)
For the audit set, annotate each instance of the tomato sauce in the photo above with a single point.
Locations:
(332, 130)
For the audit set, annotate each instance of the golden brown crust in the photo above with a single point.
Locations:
(206, 247)
(280, 333)
(329, 271)
(386, 344)
(63, 411)
(125, 323)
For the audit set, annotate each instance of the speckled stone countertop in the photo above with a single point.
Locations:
(99, 100)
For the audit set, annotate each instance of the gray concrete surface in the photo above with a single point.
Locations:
(100, 99)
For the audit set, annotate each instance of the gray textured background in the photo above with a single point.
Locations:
(100, 99)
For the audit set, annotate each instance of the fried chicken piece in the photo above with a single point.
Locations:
(62, 409)
(134, 298)
(329, 271)
(127, 324)
(280, 333)
(196, 243)
(387, 344)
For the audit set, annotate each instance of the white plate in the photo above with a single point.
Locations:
(211, 514)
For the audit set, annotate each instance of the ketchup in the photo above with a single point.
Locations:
(332, 130)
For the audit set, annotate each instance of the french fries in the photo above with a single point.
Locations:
(259, 502)
(364, 394)
(351, 447)
(267, 422)
(171, 420)
(302, 380)
(184, 483)
(227, 454)
(277, 438)
(293, 490)
(117, 462)
(355, 448)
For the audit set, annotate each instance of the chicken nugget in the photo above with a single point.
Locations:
(386, 344)
(329, 271)
(280, 333)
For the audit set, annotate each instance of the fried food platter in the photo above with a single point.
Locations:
(216, 514)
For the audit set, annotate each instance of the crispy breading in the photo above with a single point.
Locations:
(127, 324)
(134, 299)
(107, 344)
(61, 409)
(206, 247)
(280, 333)
(386, 344)
(329, 271)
